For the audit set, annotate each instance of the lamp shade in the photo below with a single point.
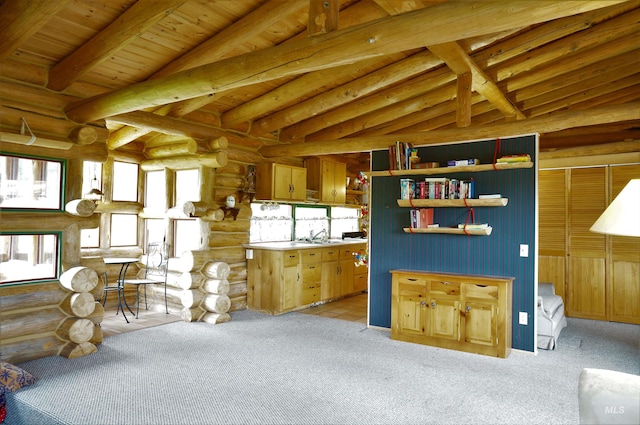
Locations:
(622, 216)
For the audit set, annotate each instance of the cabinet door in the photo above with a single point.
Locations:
(481, 325)
(281, 182)
(298, 180)
(444, 303)
(411, 308)
(290, 288)
(334, 182)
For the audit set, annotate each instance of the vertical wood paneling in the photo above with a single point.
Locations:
(498, 254)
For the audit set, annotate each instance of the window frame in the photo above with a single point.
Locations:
(57, 263)
(61, 183)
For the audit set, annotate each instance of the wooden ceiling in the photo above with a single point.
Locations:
(302, 77)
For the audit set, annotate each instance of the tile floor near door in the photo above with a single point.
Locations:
(353, 309)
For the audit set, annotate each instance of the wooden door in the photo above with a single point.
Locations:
(623, 290)
(587, 250)
(552, 219)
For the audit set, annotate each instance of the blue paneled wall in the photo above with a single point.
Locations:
(497, 254)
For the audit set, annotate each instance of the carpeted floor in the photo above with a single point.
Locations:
(302, 369)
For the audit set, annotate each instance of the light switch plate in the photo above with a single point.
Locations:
(249, 254)
(524, 250)
(522, 318)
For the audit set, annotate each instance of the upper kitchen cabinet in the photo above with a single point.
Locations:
(329, 178)
(279, 182)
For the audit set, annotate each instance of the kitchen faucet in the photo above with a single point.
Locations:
(324, 235)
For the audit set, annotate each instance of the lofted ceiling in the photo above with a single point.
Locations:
(301, 77)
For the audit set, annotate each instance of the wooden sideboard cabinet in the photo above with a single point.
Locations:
(462, 312)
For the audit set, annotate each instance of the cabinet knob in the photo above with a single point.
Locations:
(433, 304)
(423, 303)
(468, 308)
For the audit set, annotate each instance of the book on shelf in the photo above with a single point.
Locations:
(421, 218)
(490, 196)
(432, 226)
(473, 226)
(458, 162)
(423, 165)
(525, 157)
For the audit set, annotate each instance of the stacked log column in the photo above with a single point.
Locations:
(205, 288)
(76, 330)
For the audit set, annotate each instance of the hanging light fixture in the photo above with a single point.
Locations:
(95, 194)
(622, 216)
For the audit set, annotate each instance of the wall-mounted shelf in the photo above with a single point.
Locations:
(450, 231)
(444, 203)
(459, 169)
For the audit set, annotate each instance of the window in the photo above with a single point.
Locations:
(124, 229)
(270, 222)
(28, 257)
(30, 183)
(344, 220)
(310, 221)
(125, 182)
(155, 230)
(187, 186)
(155, 192)
(186, 236)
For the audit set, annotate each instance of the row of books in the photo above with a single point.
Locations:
(437, 188)
(421, 218)
(400, 156)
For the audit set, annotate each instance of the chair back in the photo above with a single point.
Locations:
(157, 260)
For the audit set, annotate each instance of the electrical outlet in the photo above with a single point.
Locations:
(249, 254)
(524, 250)
(523, 318)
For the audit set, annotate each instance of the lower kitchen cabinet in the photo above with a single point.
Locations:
(460, 312)
(279, 281)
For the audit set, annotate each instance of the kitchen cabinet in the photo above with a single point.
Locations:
(279, 281)
(329, 178)
(279, 182)
(274, 281)
(462, 312)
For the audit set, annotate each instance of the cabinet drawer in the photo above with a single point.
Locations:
(330, 254)
(360, 282)
(311, 256)
(347, 253)
(483, 292)
(404, 280)
(311, 273)
(310, 294)
(444, 288)
(290, 258)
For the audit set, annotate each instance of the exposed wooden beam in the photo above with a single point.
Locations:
(137, 19)
(448, 22)
(549, 123)
(323, 16)
(463, 98)
(459, 61)
(23, 18)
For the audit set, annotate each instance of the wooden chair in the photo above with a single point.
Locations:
(155, 273)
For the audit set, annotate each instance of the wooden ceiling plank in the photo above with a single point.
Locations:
(290, 92)
(347, 93)
(544, 124)
(235, 34)
(400, 32)
(592, 75)
(22, 19)
(317, 125)
(606, 33)
(460, 62)
(137, 19)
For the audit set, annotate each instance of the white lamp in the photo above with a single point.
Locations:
(622, 216)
